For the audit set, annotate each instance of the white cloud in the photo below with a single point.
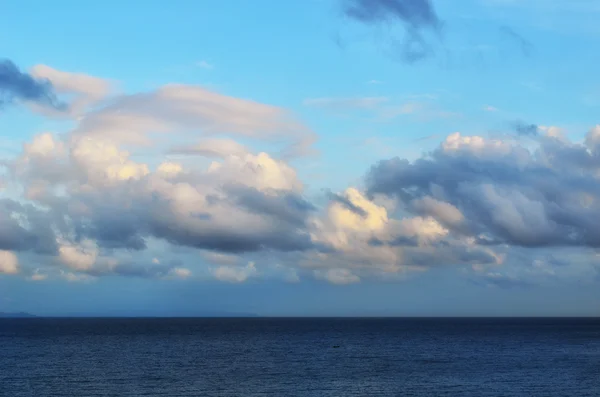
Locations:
(79, 256)
(205, 65)
(86, 90)
(176, 108)
(76, 277)
(181, 272)
(38, 276)
(9, 263)
(346, 103)
(233, 274)
(96, 207)
(212, 147)
(338, 276)
(220, 258)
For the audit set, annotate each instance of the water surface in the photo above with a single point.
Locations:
(296, 357)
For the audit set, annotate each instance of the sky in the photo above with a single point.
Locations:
(305, 158)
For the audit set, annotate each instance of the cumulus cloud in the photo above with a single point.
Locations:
(21, 86)
(89, 206)
(238, 204)
(506, 193)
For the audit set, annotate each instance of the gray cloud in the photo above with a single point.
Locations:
(285, 207)
(25, 228)
(416, 16)
(508, 195)
(523, 128)
(17, 85)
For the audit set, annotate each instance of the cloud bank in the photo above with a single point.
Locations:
(88, 203)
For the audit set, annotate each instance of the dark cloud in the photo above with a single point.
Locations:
(17, 85)
(416, 16)
(525, 129)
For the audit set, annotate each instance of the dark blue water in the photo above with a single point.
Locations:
(296, 357)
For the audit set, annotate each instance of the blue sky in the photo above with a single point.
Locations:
(110, 204)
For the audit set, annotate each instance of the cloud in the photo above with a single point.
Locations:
(220, 258)
(86, 90)
(525, 129)
(76, 277)
(239, 204)
(180, 272)
(382, 108)
(212, 147)
(500, 280)
(9, 263)
(337, 104)
(175, 109)
(507, 194)
(205, 65)
(37, 275)
(415, 16)
(21, 86)
(89, 204)
(524, 44)
(338, 276)
(232, 274)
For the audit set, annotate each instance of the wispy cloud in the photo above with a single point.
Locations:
(525, 45)
(415, 16)
(383, 108)
(346, 103)
(205, 65)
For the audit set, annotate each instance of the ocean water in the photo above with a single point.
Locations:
(297, 357)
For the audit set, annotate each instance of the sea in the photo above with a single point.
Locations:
(299, 357)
